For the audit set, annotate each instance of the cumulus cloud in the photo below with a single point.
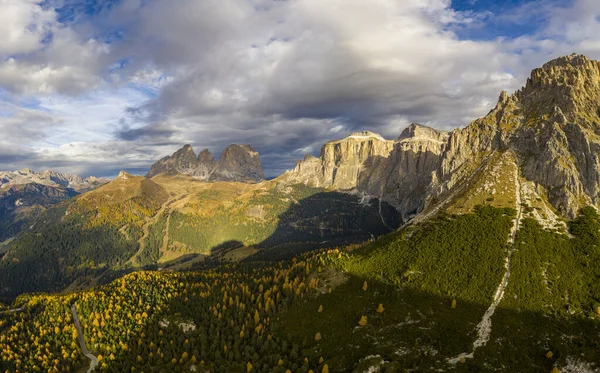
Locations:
(23, 26)
(284, 76)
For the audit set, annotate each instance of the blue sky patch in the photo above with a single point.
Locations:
(507, 19)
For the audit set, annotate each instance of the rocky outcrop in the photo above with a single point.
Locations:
(50, 178)
(206, 165)
(237, 163)
(552, 125)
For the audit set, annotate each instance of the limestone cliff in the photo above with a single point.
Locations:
(552, 125)
(342, 163)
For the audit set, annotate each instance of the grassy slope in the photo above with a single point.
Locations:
(282, 219)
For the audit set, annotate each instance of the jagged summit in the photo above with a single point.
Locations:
(421, 132)
(237, 163)
(206, 156)
(571, 83)
(124, 175)
(570, 60)
(576, 72)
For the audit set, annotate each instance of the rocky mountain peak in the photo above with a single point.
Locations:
(551, 127)
(25, 171)
(185, 154)
(123, 175)
(206, 156)
(571, 83)
(237, 163)
(49, 178)
(240, 162)
(574, 71)
(572, 60)
(421, 132)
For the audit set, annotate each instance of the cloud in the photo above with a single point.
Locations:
(23, 26)
(120, 84)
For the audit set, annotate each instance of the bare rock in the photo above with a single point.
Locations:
(237, 163)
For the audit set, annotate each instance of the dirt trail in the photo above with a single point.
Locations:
(165, 244)
(86, 352)
(150, 222)
(381, 216)
(484, 328)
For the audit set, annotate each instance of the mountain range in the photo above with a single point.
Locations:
(24, 194)
(469, 250)
(237, 163)
(50, 178)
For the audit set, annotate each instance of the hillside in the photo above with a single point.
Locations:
(385, 306)
(178, 221)
(24, 195)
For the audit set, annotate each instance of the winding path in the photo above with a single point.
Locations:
(484, 328)
(13, 310)
(86, 352)
(165, 243)
(146, 228)
(381, 215)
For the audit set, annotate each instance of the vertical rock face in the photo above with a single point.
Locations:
(398, 171)
(413, 166)
(206, 165)
(552, 125)
(183, 161)
(237, 163)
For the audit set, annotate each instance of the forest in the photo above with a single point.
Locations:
(410, 300)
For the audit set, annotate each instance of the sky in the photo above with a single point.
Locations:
(95, 86)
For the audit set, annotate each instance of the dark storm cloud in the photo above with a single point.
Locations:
(146, 132)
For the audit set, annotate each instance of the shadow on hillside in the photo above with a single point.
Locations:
(420, 330)
(324, 219)
(327, 219)
(417, 331)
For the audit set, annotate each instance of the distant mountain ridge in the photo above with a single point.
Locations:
(50, 178)
(239, 163)
(24, 194)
